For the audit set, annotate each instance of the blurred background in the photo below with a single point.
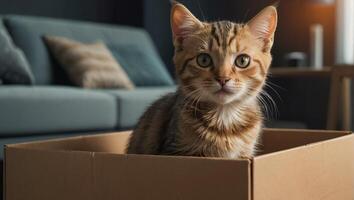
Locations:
(295, 18)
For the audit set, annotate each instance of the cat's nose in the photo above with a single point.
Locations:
(222, 80)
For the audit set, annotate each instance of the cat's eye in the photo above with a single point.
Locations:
(243, 61)
(204, 60)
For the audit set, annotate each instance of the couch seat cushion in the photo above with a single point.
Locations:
(132, 104)
(44, 109)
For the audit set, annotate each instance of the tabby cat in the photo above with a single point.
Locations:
(221, 68)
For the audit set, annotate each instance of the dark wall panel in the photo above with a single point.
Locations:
(107, 11)
(157, 23)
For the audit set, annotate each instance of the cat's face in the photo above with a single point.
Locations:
(222, 62)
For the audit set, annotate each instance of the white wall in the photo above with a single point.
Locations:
(345, 32)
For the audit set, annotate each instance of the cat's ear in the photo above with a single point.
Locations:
(183, 22)
(263, 25)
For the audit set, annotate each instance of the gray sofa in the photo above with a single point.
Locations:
(38, 102)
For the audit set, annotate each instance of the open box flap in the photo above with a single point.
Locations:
(108, 142)
(274, 140)
(322, 170)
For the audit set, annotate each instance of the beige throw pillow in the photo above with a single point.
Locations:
(88, 65)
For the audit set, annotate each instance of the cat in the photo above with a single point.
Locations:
(221, 68)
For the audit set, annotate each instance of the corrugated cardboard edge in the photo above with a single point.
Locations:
(80, 138)
(315, 131)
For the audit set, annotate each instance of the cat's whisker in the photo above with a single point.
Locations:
(188, 86)
(267, 107)
(268, 85)
(271, 103)
(273, 84)
(189, 104)
(196, 105)
(190, 101)
(264, 105)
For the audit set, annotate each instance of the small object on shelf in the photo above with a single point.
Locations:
(316, 46)
(295, 59)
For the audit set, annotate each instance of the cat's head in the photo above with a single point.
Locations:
(222, 61)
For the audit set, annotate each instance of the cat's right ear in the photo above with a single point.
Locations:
(183, 22)
(263, 25)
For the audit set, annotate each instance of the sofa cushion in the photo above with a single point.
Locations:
(14, 67)
(88, 65)
(27, 32)
(132, 104)
(27, 110)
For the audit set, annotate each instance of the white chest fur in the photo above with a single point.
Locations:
(226, 116)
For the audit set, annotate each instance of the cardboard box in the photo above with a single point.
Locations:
(292, 165)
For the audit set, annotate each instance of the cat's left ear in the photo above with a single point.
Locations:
(183, 22)
(264, 24)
